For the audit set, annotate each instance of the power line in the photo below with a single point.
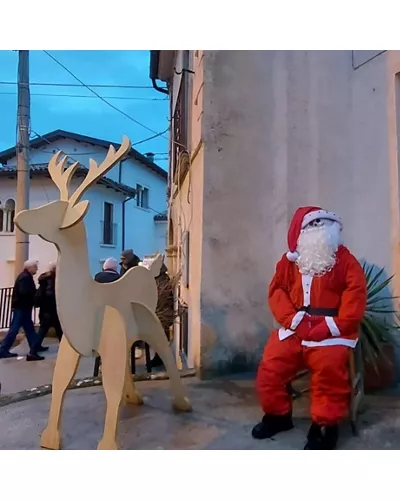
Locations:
(88, 153)
(152, 137)
(104, 86)
(102, 98)
(92, 96)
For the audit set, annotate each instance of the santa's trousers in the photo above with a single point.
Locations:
(330, 385)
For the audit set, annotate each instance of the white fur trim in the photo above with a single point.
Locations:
(320, 214)
(297, 320)
(284, 334)
(335, 332)
(328, 342)
(292, 256)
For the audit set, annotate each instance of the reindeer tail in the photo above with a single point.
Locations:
(136, 285)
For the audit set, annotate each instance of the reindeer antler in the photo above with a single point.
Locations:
(63, 178)
(60, 177)
(96, 171)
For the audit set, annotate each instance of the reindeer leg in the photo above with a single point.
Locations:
(64, 371)
(114, 353)
(151, 331)
(131, 394)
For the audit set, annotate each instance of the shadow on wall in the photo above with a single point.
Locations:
(224, 353)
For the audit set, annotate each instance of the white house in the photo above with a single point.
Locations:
(127, 207)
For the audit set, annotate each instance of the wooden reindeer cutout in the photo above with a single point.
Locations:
(97, 318)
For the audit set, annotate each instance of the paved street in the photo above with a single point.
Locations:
(224, 412)
(19, 375)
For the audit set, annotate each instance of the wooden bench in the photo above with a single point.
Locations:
(357, 386)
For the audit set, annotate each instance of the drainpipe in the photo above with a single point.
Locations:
(154, 58)
(123, 205)
(123, 220)
(159, 89)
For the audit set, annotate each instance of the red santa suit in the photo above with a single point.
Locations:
(319, 317)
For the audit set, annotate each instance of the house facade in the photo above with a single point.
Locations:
(127, 207)
(255, 135)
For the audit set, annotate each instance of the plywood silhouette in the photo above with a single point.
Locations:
(104, 318)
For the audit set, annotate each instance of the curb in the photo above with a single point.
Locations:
(82, 383)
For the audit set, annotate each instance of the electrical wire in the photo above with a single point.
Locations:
(151, 137)
(102, 98)
(104, 86)
(128, 98)
(159, 155)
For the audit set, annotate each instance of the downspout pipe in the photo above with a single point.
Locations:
(154, 58)
(123, 220)
(123, 206)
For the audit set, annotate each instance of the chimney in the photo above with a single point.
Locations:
(150, 156)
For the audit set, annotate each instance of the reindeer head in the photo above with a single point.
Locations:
(68, 210)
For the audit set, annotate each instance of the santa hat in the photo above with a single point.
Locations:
(302, 217)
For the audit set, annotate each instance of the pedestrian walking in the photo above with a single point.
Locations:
(165, 307)
(22, 303)
(109, 273)
(128, 260)
(46, 301)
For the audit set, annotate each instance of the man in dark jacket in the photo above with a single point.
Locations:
(107, 275)
(128, 260)
(46, 301)
(165, 307)
(109, 272)
(22, 303)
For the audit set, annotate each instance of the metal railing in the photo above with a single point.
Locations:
(5, 308)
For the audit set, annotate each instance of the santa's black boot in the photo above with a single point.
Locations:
(271, 425)
(322, 437)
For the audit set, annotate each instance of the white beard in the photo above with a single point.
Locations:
(317, 247)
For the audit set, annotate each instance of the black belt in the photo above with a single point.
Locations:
(319, 311)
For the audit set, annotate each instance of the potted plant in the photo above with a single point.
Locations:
(378, 332)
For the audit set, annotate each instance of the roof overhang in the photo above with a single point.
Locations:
(51, 137)
(162, 65)
(42, 170)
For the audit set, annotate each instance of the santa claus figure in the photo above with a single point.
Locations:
(318, 297)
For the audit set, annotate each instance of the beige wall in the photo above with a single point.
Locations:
(187, 215)
(186, 205)
(282, 129)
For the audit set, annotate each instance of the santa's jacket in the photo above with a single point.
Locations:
(339, 295)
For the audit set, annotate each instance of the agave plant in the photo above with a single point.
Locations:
(378, 326)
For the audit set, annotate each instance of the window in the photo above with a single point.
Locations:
(10, 213)
(7, 213)
(108, 226)
(181, 125)
(184, 330)
(142, 196)
(186, 258)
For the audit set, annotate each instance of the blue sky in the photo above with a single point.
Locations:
(89, 116)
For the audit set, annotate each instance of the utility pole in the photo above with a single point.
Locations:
(23, 174)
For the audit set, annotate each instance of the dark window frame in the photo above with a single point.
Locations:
(108, 224)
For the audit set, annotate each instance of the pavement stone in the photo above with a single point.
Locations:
(224, 413)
